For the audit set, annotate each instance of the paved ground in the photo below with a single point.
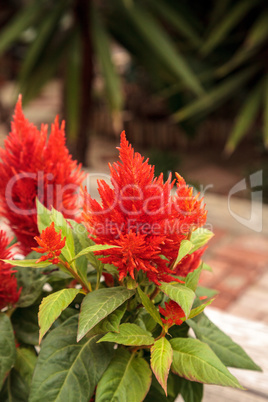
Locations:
(237, 254)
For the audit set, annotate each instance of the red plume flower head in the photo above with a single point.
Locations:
(139, 215)
(51, 243)
(173, 313)
(34, 165)
(9, 293)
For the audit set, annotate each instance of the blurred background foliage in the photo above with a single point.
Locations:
(196, 58)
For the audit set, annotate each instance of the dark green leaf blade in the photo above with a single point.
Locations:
(67, 370)
(194, 360)
(128, 378)
(129, 335)
(229, 352)
(98, 305)
(149, 306)
(7, 347)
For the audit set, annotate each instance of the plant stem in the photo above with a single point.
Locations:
(86, 286)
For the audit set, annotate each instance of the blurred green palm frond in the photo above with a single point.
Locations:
(203, 53)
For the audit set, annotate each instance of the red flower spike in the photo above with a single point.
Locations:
(139, 215)
(9, 293)
(189, 263)
(31, 167)
(173, 313)
(51, 243)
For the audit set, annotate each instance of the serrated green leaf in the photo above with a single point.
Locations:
(195, 361)
(199, 238)
(185, 248)
(111, 323)
(98, 305)
(67, 370)
(229, 352)
(192, 278)
(161, 359)
(25, 363)
(15, 388)
(128, 378)
(150, 307)
(7, 347)
(129, 335)
(245, 117)
(180, 294)
(52, 306)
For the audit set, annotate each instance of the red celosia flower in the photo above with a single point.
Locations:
(9, 294)
(140, 216)
(173, 313)
(34, 166)
(189, 263)
(50, 242)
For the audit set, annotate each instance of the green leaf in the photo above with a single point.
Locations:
(245, 117)
(43, 216)
(31, 281)
(111, 323)
(22, 20)
(98, 305)
(112, 82)
(161, 359)
(195, 361)
(197, 310)
(229, 352)
(25, 363)
(129, 335)
(191, 391)
(192, 278)
(67, 370)
(52, 306)
(128, 378)
(185, 248)
(95, 247)
(7, 347)
(28, 263)
(180, 294)
(160, 44)
(150, 307)
(61, 223)
(199, 238)
(25, 324)
(15, 388)
(228, 22)
(211, 100)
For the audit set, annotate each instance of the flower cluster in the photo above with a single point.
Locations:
(34, 165)
(50, 242)
(139, 215)
(9, 294)
(173, 313)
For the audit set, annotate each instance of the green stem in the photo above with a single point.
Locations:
(87, 286)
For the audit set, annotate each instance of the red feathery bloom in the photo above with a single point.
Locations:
(173, 313)
(34, 165)
(189, 263)
(9, 294)
(139, 215)
(50, 242)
